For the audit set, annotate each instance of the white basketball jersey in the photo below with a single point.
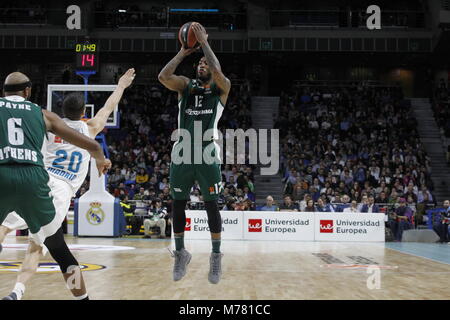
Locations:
(65, 161)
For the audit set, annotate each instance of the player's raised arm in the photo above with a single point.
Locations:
(56, 125)
(97, 124)
(170, 80)
(219, 78)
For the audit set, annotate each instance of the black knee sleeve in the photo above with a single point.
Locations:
(58, 249)
(214, 218)
(179, 215)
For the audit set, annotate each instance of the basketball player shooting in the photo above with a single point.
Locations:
(67, 165)
(201, 101)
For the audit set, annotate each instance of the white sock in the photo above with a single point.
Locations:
(19, 290)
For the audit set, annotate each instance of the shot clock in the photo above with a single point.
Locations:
(86, 56)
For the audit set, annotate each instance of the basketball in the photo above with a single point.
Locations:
(187, 36)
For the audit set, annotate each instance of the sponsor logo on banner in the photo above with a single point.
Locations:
(201, 224)
(354, 227)
(95, 214)
(326, 226)
(254, 225)
(188, 225)
(197, 226)
(346, 226)
(276, 225)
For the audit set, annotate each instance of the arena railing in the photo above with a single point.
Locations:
(165, 19)
(145, 204)
(341, 83)
(21, 16)
(344, 19)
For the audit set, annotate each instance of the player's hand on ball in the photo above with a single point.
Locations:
(103, 166)
(186, 52)
(127, 78)
(200, 33)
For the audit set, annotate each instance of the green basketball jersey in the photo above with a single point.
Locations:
(200, 104)
(22, 132)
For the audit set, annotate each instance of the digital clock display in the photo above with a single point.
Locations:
(86, 47)
(86, 56)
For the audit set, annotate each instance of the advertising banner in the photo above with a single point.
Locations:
(267, 225)
(197, 225)
(349, 227)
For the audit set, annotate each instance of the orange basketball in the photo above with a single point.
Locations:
(187, 36)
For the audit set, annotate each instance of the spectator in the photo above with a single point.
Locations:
(299, 191)
(344, 205)
(288, 204)
(157, 215)
(442, 224)
(424, 196)
(142, 178)
(163, 184)
(141, 195)
(401, 220)
(353, 207)
(120, 190)
(230, 204)
(364, 202)
(371, 207)
(304, 202)
(116, 177)
(310, 206)
(248, 194)
(382, 198)
(322, 206)
(270, 206)
(242, 204)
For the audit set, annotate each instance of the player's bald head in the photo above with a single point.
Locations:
(16, 78)
(17, 83)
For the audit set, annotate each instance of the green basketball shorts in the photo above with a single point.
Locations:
(25, 190)
(183, 176)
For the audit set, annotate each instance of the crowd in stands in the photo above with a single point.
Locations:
(441, 107)
(344, 144)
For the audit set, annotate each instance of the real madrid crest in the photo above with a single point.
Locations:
(95, 214)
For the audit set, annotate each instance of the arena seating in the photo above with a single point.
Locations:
(354, 139)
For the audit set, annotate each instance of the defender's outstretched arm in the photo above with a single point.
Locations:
(97, 124)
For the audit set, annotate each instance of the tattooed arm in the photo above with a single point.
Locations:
(166, 76)
(219, 78)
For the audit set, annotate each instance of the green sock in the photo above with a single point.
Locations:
(179, 242)
(216, 245)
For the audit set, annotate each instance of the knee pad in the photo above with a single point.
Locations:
(214, 218)
(179, 216)
(59, 251)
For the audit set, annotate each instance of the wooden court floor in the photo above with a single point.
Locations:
(251, 270)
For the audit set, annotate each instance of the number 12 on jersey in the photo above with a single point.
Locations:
(75, 161)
